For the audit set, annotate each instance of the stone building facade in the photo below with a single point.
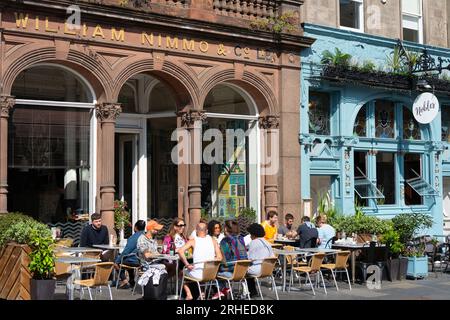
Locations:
(90, 106)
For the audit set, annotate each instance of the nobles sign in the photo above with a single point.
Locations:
(426, 108)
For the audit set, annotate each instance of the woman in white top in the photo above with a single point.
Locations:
(205, 249)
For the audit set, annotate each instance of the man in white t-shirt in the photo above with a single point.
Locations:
(205, 248)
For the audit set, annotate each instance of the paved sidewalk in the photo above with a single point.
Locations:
(435, 287)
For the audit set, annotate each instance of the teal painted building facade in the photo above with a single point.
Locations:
(361, 144)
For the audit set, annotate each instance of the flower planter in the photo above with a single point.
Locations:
(417, 267)
(43, 289)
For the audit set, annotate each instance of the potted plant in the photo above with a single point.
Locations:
(121, 217)
(42, 266)
(408, 225)
(396, 265)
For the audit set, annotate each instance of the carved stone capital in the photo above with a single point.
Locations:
(108, 111)
(188, 118)
(6, 104)
(269, 122)
(305, 139)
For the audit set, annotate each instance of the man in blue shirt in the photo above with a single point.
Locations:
(326, 232)
(131, 261)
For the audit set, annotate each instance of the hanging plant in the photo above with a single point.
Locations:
(121, 215)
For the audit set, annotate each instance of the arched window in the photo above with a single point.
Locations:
(51, 83)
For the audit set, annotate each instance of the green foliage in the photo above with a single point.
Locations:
(7, 220)
(359, 210)
(338, 58)
(21, 230)
(42, 257)
(409, 224)
(285, 22)
(360, 224)
(135, 3)
(249, 214)
(414, 251)
(391, 238)
(368, 66)
(121, 215)
(395, 62)
(204, 214)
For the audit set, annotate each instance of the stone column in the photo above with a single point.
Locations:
(107, 114)
(192, 120)
(271, 161)
(6, 103)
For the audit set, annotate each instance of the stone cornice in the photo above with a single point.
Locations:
(108, 112)
(6, 104)
(208, 30)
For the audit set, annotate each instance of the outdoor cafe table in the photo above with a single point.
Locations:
(74, 261)
(287, 242)
(285, 253)
(353, 248)
(78, 250)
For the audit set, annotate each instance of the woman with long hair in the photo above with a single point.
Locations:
(175, 235)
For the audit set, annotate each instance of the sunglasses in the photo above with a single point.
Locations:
(181, 225)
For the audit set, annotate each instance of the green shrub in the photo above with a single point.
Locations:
(409, 224)
(42, 257)
(22, 230)
(248, 213)
(360, 224)
(6, 220)
(391, 238)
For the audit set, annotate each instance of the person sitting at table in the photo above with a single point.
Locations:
(205, 248)
(325, 231)
(308, 233)
(287, 229)
(177, 238)
(215, 230)
(194, 232)
(132, 261)
(147, 244)
(94, 233)
(270, 226)
(233, 249)
(259, 249)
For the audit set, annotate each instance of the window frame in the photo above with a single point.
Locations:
(419, 22)
(361, 17)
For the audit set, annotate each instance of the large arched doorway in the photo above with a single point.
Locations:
(230, 177)
(50, 139)
(145, 176)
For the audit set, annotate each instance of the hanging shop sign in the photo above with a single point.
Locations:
(426, 108)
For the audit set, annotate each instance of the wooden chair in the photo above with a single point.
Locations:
(267, 267)
(340, 265)
(314, 268)
(239, 274)
(101, 277)
(210, 270)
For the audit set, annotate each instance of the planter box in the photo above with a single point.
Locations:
(403, 268)
(14, 274)
(43, 289)
(417, 267)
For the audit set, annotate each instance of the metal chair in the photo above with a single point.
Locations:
(101, 278)
(127, 267)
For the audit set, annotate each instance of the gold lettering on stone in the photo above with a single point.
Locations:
(21, 20)
(204, 46)
(188, 45)
(118, 36)
(147, 38)
(172, 44)
(98, 32)
(47, 27)
(85, 29)
(221, 50)
(159, 41)
(67, 30)
(36, 23)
